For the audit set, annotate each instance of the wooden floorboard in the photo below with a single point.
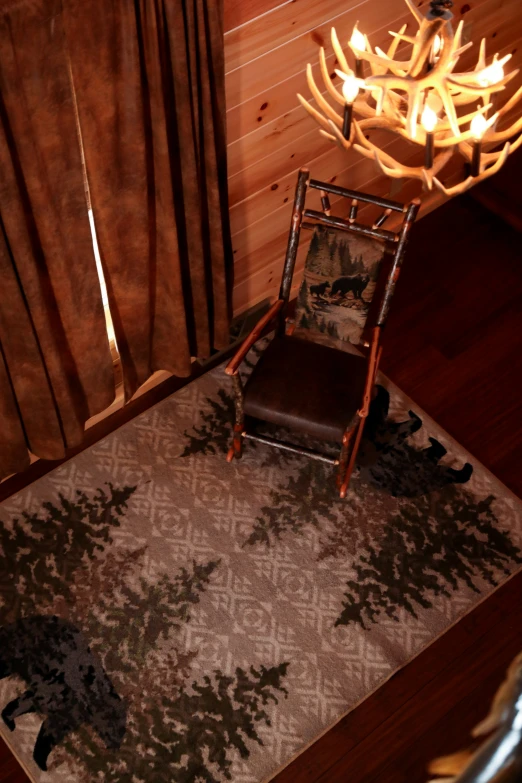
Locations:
(453, 343)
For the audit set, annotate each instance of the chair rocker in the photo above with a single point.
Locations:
(317, 374)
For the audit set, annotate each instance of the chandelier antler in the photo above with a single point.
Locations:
(422, 98)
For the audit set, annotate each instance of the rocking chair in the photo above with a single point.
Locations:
(317, 377)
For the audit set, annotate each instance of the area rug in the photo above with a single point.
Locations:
(166, 616)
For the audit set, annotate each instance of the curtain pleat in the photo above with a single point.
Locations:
(149, 80)
(55, 363)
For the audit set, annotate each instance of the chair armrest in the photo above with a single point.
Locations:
(371, 372)
(234, 364)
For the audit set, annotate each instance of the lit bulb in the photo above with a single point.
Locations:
(437, 45)
(350, 88)
(478, 126)
(357, 40)
(492, 74)
(428, 119)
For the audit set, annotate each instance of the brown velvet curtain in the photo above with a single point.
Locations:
(55, 364)
(149, 80)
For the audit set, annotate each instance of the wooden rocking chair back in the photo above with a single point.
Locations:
(350, 276)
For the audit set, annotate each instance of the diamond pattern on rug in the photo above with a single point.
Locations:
(223, 616)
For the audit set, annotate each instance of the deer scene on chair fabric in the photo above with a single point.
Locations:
(339, 282)
(200, 621)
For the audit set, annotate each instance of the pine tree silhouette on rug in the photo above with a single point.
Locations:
(213, 436)
(308, 498)
(197, 733)
(153, 610)
(424, 552)
(67, 533)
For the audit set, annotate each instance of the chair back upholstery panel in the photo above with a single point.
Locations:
(340, 278)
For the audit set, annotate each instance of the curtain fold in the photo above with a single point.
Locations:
(142, 82)
(55, 364)
(149, 81)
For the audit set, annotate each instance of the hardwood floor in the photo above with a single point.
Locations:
(453, 343)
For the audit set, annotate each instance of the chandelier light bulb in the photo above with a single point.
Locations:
(492, 74)
(437, 45)
(478, 126)
(350, 88)
(428, 119)
(357, 40)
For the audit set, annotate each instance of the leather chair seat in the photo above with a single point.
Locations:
(306, 386)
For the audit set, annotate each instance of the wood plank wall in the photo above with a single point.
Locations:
(267, 46)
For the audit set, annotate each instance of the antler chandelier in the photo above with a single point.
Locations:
(419, 99)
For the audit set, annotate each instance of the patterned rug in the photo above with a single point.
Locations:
(168, 616)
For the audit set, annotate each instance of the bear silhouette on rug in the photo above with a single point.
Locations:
(66, 683)
(397, 466)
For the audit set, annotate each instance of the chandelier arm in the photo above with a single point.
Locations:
(411, 39)
(332, 89)
(339, 138)
(338, 50)
(457, 37)
(375, 123)
(481, 61)
(327, 135)
(461, 99)
(460, 51)
(510, 103)
(463, 186)
(457, 80)
(489, 157)
(399, 68)
(445, 126)
(456, 189)
(494, 137)
(390, 106)
(321, 100)
(413, 111)
(414, 10)
(449, 107)
(425, 38)
(312, 111)
(392, 49)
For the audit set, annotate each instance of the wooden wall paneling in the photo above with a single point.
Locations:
(273, 29)
(292, 19)
(256, 76)
(350, 170)
(240, 12)
(254, 235)
(267, 172)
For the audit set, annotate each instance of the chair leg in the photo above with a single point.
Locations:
(236, 449)
(345, 455)
(353, 455)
